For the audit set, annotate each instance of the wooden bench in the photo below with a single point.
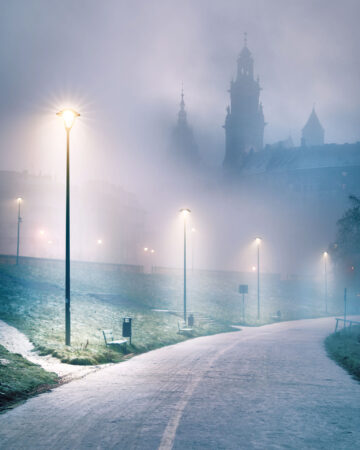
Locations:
(183, 328)
(109, 338)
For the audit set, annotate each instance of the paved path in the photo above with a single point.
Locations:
(261, 388)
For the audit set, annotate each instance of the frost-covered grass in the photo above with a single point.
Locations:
(32, 300)
(20, 378)
(344, 348)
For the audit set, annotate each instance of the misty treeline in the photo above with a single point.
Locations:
(345, 251)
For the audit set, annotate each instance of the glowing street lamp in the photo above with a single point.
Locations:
(185, 213)
(99, 242)
(150, 251)
(69, 116)
(19, 200)
(258, 242)
(325, 257)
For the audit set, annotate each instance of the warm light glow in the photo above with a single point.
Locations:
(258, 241)
(253, 268)
(69, 116)
(185, 212)
(19, 199)
(193, 230)
(152, 251)
(325, 254)
(42, 232)
(146, 249)
(99, 241)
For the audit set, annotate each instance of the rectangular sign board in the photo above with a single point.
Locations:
(243, 289)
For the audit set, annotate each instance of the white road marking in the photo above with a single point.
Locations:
(168, 438)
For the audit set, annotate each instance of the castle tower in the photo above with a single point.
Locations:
(313, 132)
(244, 123)
(183, 148)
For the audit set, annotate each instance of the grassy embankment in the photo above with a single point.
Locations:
(20, 379)
(344, 347)
(32, 300)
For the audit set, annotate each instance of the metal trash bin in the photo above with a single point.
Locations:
(191, 320)
(126, 331)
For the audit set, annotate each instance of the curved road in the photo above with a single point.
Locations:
(261, 388)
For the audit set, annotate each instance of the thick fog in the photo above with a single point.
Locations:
(122, 64)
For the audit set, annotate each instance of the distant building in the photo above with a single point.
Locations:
(325, 170)
(107, 223)
(183, 147)
(244, 123)
(313, 132)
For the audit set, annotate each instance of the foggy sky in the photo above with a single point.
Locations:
(122, 63)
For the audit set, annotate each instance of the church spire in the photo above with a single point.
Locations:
(313, 131)
(244, 123)
(183, 148)
(245, 62)
(182, 112)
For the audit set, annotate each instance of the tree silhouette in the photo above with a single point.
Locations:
(346, 250)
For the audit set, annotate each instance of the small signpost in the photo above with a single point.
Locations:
(243, 289)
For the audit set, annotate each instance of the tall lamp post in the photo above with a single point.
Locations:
(258, 242)
(19, 200)
(69, 116)
(193, 232)
(325, 255)
(185, 212)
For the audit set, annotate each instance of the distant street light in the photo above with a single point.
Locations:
(325, 255)
(258, 242)
(69, 116)
(99, 241)
(185, 212)
(19, 200)
(150, 251)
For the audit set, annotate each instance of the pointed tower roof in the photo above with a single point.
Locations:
(182, 112)
(245, 62)
(313, 132)
(245, 52)
(313, 122)
(183, 149)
